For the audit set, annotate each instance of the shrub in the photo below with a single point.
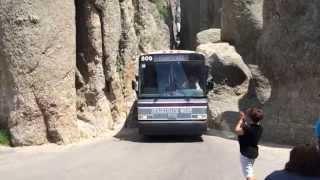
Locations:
(162, 8)
(4, 137)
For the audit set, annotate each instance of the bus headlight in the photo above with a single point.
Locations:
(142, 117)
(202, 116)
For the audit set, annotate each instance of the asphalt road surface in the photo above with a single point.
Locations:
(131, 157)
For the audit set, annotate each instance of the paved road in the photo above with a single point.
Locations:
(133, 158)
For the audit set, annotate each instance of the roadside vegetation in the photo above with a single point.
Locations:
(162, 8)
(4, 137)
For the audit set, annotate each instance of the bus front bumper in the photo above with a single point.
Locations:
(168, 127)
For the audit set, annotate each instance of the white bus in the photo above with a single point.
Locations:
(172, 93)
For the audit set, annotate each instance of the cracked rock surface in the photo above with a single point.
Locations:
(66, 67)
(37, 60)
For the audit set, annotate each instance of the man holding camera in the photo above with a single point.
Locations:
(249, 132)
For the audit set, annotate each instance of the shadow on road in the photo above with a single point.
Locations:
(221, 133)
(132, 134)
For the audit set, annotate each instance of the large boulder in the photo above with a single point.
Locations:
(289, 51)
(37, 70)
(231, 78)
(209, 36)
(242, 25)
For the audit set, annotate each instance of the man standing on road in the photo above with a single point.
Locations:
(249, 132)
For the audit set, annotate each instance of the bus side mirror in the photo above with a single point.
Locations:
(134, 85)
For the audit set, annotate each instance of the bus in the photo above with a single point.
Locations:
(172, 93)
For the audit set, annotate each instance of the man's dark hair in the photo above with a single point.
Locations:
(256, 114)
(304, 160)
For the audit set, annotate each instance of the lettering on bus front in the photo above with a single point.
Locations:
(171, 110)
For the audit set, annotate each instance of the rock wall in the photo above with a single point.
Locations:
(283, 58)
(65, 78)
(151, 25)
(214, 13)
(289, 50)
(94, 110)
(37, 52)
(66, 67)
(111, 34)
(242, 25)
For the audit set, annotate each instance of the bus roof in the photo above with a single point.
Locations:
(173, 52)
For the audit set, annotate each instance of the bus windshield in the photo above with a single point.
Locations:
(172, 79)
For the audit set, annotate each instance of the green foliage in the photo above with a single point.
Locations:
(162, 8)
(4, 137)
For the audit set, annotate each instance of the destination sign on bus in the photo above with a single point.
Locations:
(166, 58)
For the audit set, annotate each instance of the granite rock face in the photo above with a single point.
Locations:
(209, 36)
(37, 71)
(241, 25)
(283, 58)
(111, 36)
(94, 109)
(151, 28)
(289, 53)
(66, 78)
